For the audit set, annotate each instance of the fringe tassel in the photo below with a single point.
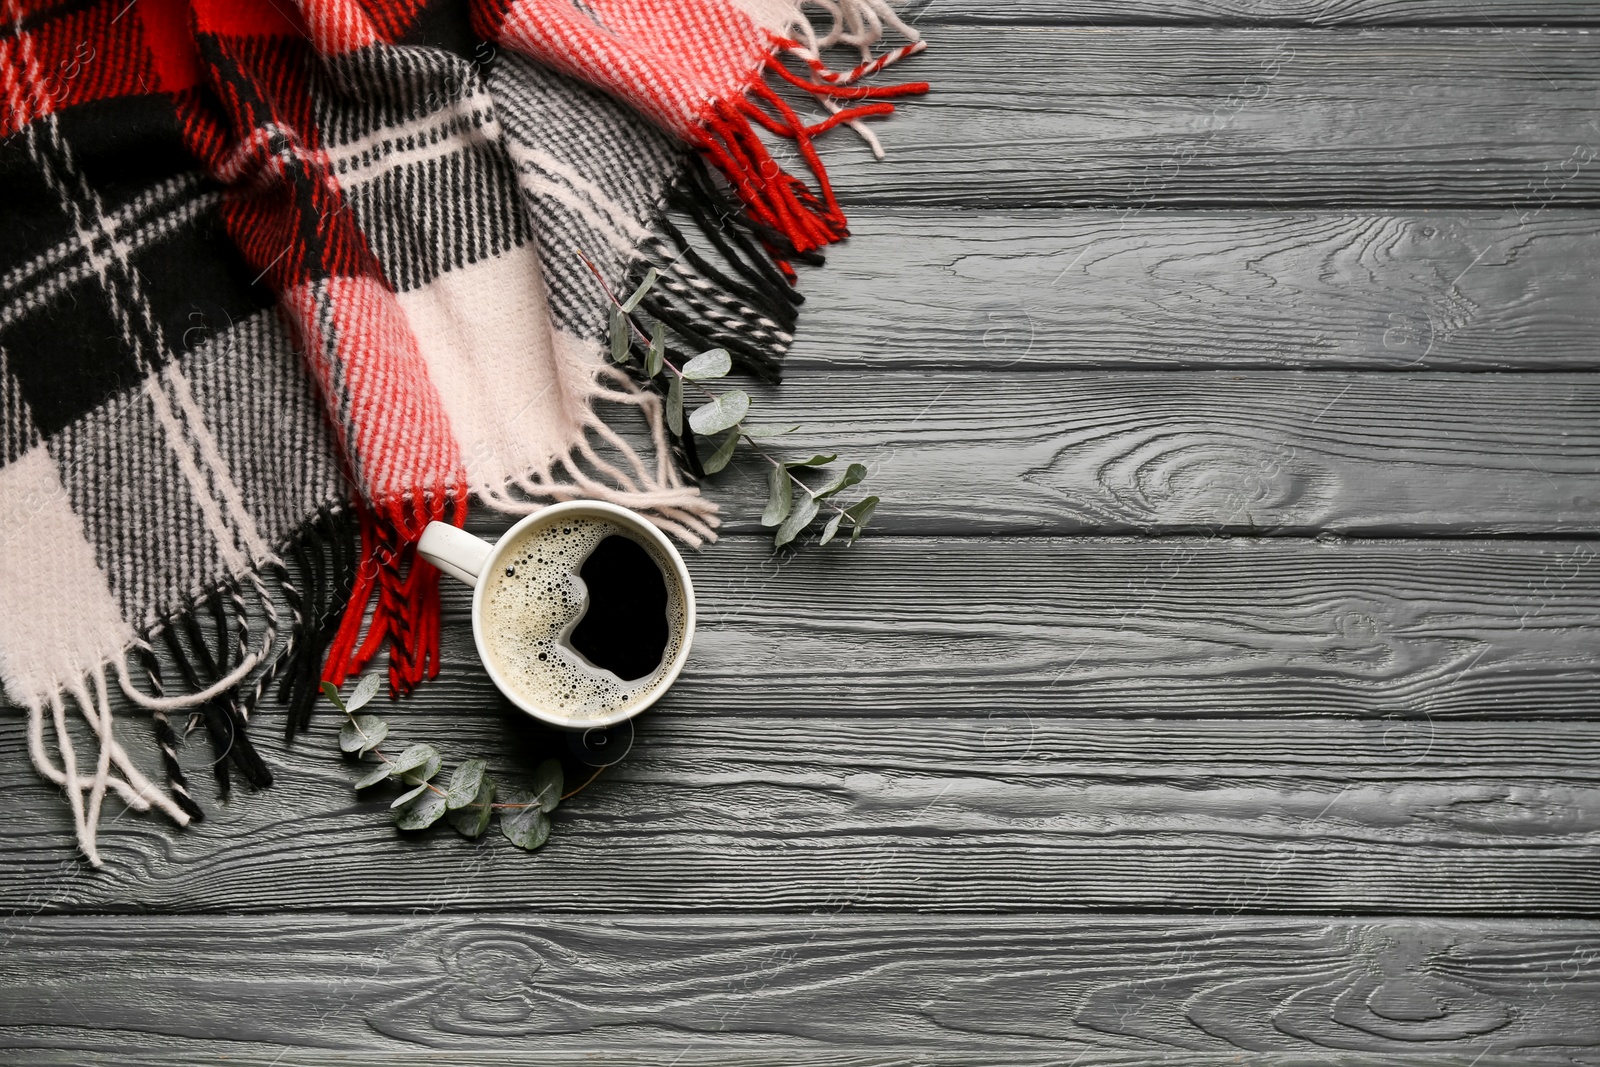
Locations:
(113, 769)
(166, 737)
(329, 578)
(401, 589)
(777, 201)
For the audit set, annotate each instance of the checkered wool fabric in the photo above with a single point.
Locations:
(282, 283)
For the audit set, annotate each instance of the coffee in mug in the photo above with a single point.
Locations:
(582, 612)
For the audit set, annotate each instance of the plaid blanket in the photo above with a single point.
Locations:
(282, 284)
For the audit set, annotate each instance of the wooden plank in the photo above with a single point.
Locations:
(932, 722)
(982, 812)
(825, 988)
(1139, 118)
(1364, 453)
(929, 14)
(1413, 290)
(1182, 627)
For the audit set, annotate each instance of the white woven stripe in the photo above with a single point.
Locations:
(470, 121)
(621, 220)
(235, 559)
(242, 522)
(620, 241)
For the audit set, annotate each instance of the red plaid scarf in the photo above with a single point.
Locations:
(247, 88)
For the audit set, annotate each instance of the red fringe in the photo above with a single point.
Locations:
(773, 199)
(401, 591)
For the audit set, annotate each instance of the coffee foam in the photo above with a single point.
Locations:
(534, 600)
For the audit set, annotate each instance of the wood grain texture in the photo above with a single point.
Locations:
(934, 723)
(1016, 451)
(824, 988)
(1162, 117)
(1437, 290)
(1326, 13)
(987, 810)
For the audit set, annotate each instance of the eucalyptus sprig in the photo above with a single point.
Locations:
(470, 800)
(792, 505)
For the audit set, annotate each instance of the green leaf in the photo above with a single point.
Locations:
(464, 783)
(780, 494)
(657, 353)
(418, 775)
(832, 528)
(362, 733)
(798, 520)
(413, 757)
(707, 365)
(620, 335)
(640, 293)
(862, 509)
(420, 813)
(331, 691)
(675, 406)
(472, 819)
(363, 694)
(852, 475)
(408, 796)
(859, 513)
(719, 459)
(547, 784)
(814, 461)
(722, 413)
(527, 827)
(373, 777)
(768, 431)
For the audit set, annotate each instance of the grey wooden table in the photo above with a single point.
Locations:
(1219, 686)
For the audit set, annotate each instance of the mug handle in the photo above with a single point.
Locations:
(454, 551)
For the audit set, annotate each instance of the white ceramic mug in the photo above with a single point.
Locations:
(469, 559)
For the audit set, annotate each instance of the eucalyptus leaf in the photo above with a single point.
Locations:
(527, 827)
(722, 413)
(719, 459)
(769, 431)
(464, 783)
(859, 513)
(413, 757)
(675, 406)
(780, 494)
(620, 335)
(862, 509)
(832, 528)
(798, 520)
(362, 733)
(707, 365)
(472, 819)
(420, 813)
(377, 774)
(657, 352)
(548, 785)
(331, 691)
(852, 475)
(815, 461)
(408, 796)
(640, 293)
(365, 691)
(423, 773)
